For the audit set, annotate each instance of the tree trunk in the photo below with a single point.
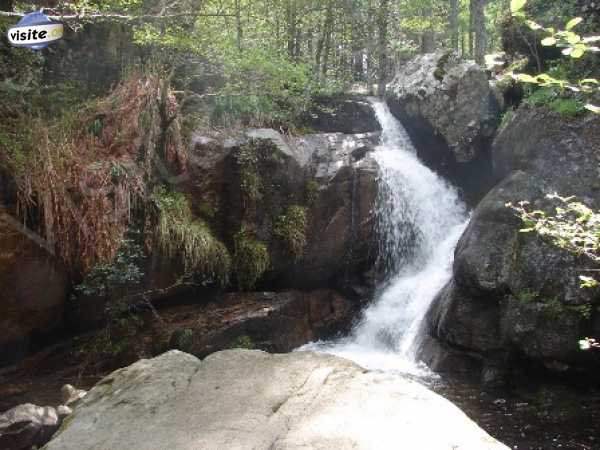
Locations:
(382, 23)
(238, 23)
(478, 11)
(327, 32)
(453, 22)
(291, 23)
(6, 5)
(471, 29)
(428, 42)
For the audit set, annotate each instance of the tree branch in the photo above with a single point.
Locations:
(117, 17)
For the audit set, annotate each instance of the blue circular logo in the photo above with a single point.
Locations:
(36, 31)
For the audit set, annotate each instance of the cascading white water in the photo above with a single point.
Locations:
(420, 219)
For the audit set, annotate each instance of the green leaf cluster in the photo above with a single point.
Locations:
(573, 227)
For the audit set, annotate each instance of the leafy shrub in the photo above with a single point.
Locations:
(116, 278)
(262, 89)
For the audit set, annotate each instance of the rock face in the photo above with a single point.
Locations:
(252, 400)
(516, 295)
(33, 292)
(329, 175)
(450, 113)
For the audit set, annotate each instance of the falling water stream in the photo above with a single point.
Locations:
(420, 219)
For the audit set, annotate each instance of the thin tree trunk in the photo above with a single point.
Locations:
(471, 28)
(238, 23)
(291, 23)
(478, 12)
(323, 37)
(328, 31)
(382, 23)
(453, 22)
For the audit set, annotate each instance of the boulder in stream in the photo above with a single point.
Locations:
(28, 425)
(517, 295)
(451, 113)
(239, 399)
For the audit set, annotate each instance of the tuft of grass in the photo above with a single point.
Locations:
(180, 236)
(251, 260)
(311, 192)
(527, 296)
(290, 228)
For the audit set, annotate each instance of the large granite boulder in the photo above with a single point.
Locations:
(515, 294)
(249, 181)
(451, 114)
(253, 400)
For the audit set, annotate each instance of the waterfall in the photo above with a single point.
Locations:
(419, 221)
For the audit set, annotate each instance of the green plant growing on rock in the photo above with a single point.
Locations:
(247, 159)
(527, 296)
(290, 228)
(113, 282)
(245, 342)
(180, 236)
(312, 192)
(548, 96)
(117, 277)
(250, 259)
(574, 227)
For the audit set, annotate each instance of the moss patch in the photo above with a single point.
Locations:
(440, 71)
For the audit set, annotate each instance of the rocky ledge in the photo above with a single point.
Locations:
(240, 399)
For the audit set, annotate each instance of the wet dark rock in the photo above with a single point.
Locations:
(517, 293)
(33, 294)
(273, 321)
(341, 114)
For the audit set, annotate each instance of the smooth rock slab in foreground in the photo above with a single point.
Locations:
(238, 399)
